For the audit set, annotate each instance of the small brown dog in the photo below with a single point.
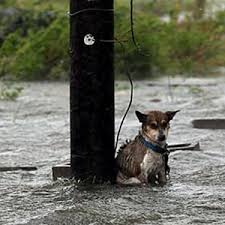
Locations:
(145, 159)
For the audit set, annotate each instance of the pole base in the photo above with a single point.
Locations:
(62, 171)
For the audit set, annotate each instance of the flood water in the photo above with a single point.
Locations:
(34, 131)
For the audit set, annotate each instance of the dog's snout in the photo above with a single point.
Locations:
(162, 137)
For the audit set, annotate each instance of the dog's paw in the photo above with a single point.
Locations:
(131, 181)
(134, 181)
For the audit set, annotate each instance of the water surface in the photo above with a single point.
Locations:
(34, 131)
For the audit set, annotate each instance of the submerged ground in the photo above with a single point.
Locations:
(34, 131)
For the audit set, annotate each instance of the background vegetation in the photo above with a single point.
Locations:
(185, 37)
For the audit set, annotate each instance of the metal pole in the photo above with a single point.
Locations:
(92, 90)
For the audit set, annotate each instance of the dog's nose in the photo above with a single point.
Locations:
(162, 137)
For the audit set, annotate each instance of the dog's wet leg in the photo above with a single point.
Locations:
(143, 178)
(162, 178)
(153, 179)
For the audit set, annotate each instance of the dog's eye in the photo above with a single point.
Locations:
(153, 125)
(164, 124)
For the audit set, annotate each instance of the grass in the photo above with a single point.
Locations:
(37, 5)
(36, 47)
(9, 91)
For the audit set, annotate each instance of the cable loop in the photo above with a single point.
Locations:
(89, 10)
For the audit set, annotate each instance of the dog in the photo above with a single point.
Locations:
(144, 160)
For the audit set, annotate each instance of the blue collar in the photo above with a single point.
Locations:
(153, 147)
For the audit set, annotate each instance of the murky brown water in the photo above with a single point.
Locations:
(34, 130)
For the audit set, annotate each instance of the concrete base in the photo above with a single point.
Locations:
(61, 171)
(209, 123)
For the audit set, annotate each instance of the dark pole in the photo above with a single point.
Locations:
(92, 90)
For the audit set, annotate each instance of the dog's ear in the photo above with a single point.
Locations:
(141, 117)
(171, 114)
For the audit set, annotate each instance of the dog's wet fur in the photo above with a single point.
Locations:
(138, 164)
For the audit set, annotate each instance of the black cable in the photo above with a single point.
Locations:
(139, 50)
(131, 95)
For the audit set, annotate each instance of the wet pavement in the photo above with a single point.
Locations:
(34, 131)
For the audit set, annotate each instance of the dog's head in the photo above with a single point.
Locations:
(156, 124)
